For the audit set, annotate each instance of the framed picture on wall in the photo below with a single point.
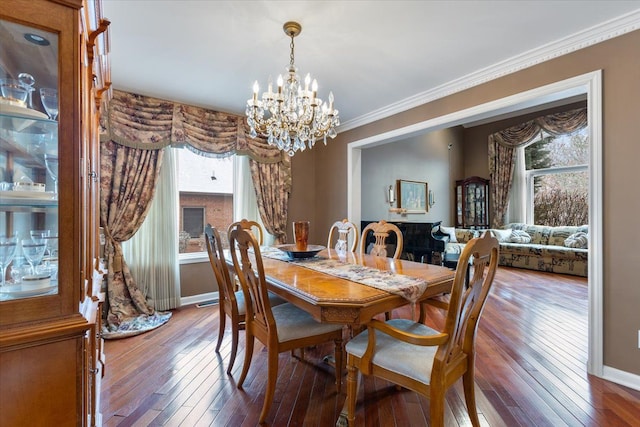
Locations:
(412, 196)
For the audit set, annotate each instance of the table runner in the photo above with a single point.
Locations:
(410, 288)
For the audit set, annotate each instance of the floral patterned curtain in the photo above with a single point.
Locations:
(144, 122)
(127, 183)
(273, 186)
(133, 133)
(502, 147)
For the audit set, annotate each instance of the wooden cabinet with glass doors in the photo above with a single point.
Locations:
(472, 203)
(51, 72)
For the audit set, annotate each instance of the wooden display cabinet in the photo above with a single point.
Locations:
(51, 356)
(472, 203)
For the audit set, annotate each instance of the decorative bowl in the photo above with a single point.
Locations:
(14, 90)
(312, 250)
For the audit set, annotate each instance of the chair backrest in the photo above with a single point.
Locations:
(381, 231)
(466, 303)
(253, 282)
(219, 266)
(252, 226)
(344, 230)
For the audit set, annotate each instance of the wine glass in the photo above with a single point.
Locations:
(8, 244)
(49, 98)
(28, 80)
(33, 252)
(51, 162)
(40, 236)
(51, 241)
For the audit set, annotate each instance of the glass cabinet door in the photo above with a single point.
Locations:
(28, 161)
(472, 209)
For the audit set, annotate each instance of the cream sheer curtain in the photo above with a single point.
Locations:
(516, 212)
(151, 252)
(245, 204)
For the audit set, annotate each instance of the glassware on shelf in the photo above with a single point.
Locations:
(39, 236)
(51, 162)
(49, 98)
(51, 242)
(8, 245)
(14, 90)
(19, 269)
(28, 80)
(33, 252)
(49, 269)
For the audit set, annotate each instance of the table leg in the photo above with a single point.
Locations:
(343, 421)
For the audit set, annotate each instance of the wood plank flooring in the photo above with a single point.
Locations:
(531, 371)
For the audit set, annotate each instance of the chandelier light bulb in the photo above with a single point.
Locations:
(294, 118)
(280, 83)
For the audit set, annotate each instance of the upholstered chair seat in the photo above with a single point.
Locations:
(294, 323)
(401, 357)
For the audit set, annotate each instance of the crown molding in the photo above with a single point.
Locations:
(580, 40)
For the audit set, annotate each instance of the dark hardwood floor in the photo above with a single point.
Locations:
(531, 371)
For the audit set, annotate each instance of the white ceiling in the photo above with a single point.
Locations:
(376, 56)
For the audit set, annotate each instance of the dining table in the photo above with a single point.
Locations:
(330, 298)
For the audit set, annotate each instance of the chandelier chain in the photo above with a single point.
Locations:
(291, 54)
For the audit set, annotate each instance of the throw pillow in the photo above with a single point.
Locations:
(519, 236)
(451, 231)
(503, 236)
(578, 240)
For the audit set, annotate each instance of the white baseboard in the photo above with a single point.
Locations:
(195, 299)
(617, 376)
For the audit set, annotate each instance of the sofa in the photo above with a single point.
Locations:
(561, 249)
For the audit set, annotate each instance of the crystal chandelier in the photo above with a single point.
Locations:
(293, 117)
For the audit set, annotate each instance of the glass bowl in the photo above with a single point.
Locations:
(14, 90)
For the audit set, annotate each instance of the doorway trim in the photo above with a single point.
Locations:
(589, 84)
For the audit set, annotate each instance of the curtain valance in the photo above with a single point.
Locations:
(554, 124)
(139, 121)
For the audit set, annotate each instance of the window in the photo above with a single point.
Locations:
(205, 187)
(193, 221)
(557, 179)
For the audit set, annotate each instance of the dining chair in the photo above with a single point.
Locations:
(231, 301)
(254, 226)
(342, 231)
(417, 357)
(380, 232)
(281, 328)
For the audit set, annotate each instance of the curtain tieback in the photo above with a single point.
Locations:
(117, 263)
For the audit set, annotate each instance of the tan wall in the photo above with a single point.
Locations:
(196, 279)
(620, 62)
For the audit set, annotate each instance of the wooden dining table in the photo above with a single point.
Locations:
(331, 299)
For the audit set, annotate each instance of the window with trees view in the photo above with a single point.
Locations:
(557, 179)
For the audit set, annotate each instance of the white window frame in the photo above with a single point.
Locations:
(532, 173)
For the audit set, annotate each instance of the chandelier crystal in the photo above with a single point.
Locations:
(293, 117)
